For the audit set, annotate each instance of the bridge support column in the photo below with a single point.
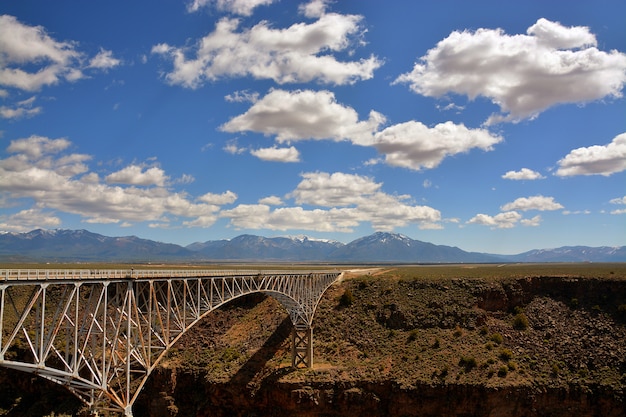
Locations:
(302, 346)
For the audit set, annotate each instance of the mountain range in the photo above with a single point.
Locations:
(84, 246)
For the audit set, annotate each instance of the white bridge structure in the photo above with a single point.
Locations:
(100, 333)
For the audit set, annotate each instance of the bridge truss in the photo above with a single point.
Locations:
(100, 333)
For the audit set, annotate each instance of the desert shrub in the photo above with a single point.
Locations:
(346, 298)
(574, 303)
(497, 338)
(413, 335)
(458, 332)
(506, 354)
(503, 371)
(520, 321)
(437, 344)
(468, 363)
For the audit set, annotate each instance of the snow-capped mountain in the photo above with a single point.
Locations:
(82, 245)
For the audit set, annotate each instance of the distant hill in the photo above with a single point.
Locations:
(572, 254)
(84, 246)
(249, 247)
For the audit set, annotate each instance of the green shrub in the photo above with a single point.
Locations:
(506, 354)
(503, 371)
(520, 321)
(468, 363)
(437, 344)
(497, 338)
(346, 298)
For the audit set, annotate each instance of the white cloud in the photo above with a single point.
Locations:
(522, 74)
(619, 201)
(240, 7)
(523, 174)
(299, 53)
(595, 160)
(537, 202)
(505, 220)
(233, 148)
(415, 146)
(307, 114)
(242, 97)
(534, 222)
(314, 8)
(26, 48)
(227, 197)
(347, 200)
(104, 60)
(27, 220)
(135, 175)
(304, 114)
(271, 201)
(22, 109)
(39, 171)
(332, 190)
(275, 154)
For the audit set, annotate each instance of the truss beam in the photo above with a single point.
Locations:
(101, 333)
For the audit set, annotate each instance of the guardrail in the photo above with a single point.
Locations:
(104, 274)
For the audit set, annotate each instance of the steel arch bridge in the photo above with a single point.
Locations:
(100, 333)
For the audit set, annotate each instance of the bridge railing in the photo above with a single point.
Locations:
(104, 274)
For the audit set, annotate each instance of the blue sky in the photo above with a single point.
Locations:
(492, 126)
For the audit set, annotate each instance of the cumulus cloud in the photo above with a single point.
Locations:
(537, 202)
(314, 8)
(227, 197)
(21, 109)
(276, 154)
(38, 169)
(135, 175)
(306, 114)
(240, 7)
(299, 53)
(522, 74)
(29, 219)
(233, 148)
(104, 60)
(595, 160)
(25, 48)
(346, 200)
(523, 174)
(621, 201)
(271, 201)
(533, 222)
(506, 220)
(415, 146)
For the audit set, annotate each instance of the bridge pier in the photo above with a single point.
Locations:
(302, 346)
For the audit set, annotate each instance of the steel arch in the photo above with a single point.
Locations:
(101, 333)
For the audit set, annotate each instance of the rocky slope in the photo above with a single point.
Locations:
(429, 341)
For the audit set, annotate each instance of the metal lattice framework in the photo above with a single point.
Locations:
(100, 333)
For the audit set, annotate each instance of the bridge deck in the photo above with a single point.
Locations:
(105, 274)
